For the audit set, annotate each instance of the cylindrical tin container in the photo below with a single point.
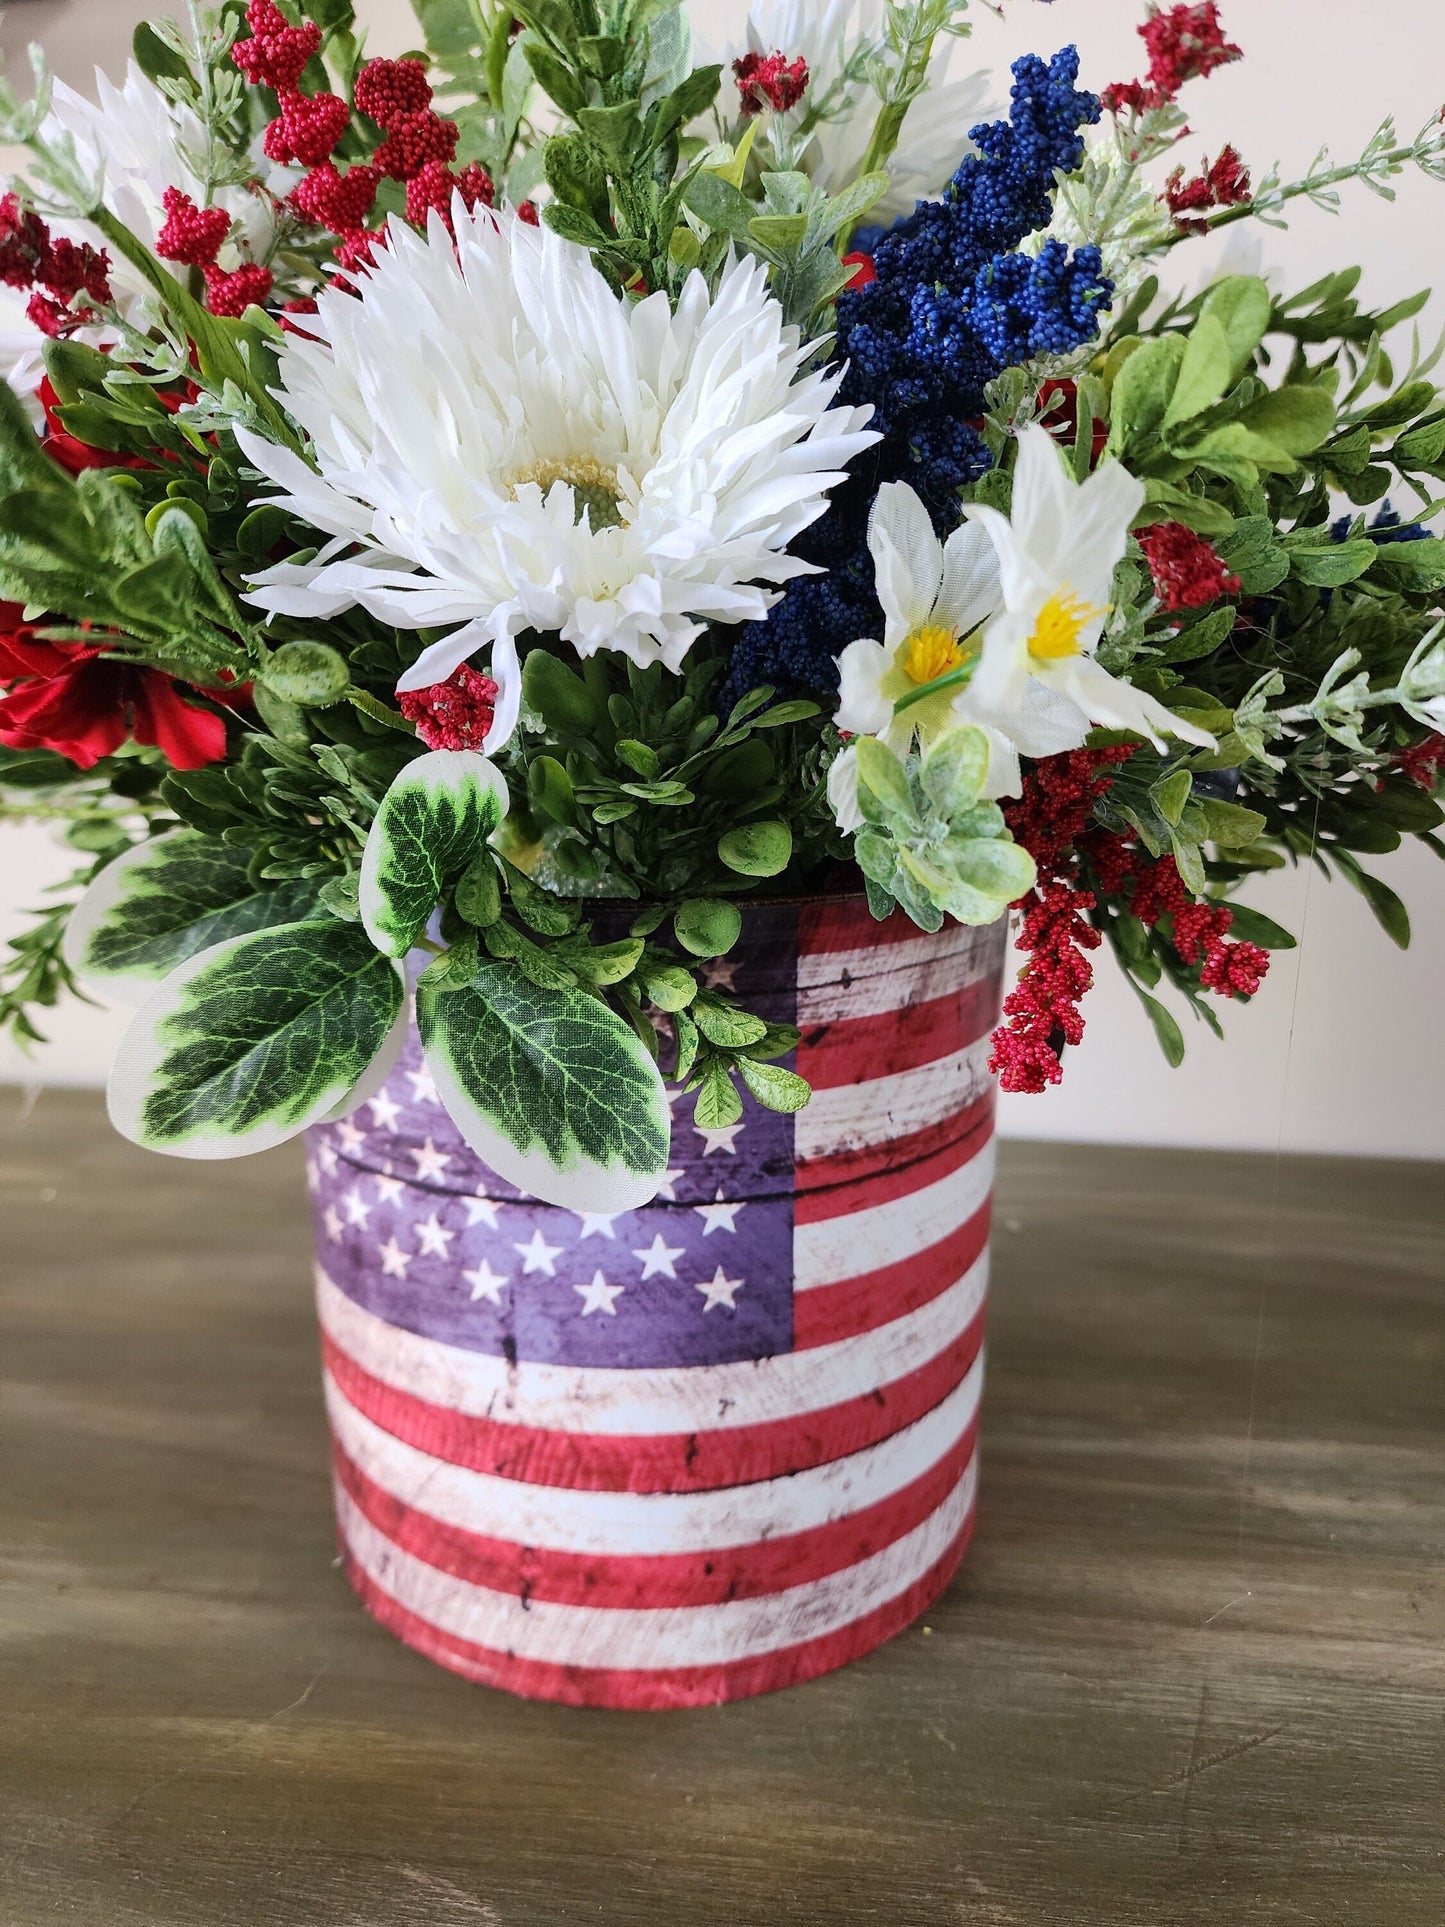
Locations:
(680, 1455)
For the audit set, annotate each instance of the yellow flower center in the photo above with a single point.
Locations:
(932, 652)
(1061, 622)
(594, 486)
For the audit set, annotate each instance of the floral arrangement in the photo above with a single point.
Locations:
(520, 501)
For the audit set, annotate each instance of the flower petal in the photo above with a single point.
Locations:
(863, 709)
(971, 589)
(908, 560)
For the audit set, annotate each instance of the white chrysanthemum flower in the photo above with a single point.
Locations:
(1037, 680)
(501, 442)
(935, 134)
(142, 143)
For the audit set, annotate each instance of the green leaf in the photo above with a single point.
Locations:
(685, 103)
(607, 963)
(478, 895)
(758, 849)
(708, 928)
(1328, 565)
(718, 1104)
(775, 1089)
(1201, 638)
(246, 1045)
(539, 908)
(1296, 419)
(1254, 554)
(640, 758)
(726, 1026)
(778, 233)
(1410, 568)
(1143, 388)
(155, 59)
(668, 986)
(165, 901)
(721, 205)
(1390, 913)
(433, 823)
(560, 698)
(1170, 796)
(688, 1040)
(798, 711)
(552, 1089)
(1204, 373)
(310, 674)
(1166, 1028)
(1232, 826)
(576, 225)
(549, 791)
(955, 770)
(1252, 926)
(884, 792)
(556, 78)
(1241, 304)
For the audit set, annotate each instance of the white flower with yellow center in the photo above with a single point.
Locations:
(1037, 680)
(501, 442)
(935, 599)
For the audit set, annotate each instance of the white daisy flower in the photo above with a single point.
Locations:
(1037, 680)
(935, 599)
(935, 135)
(142, 143)
(501, 442)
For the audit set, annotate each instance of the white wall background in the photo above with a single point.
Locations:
(1345, 1049)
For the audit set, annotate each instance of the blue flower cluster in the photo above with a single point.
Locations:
(952, 307)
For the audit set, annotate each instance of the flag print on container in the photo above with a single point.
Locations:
(676, 1456)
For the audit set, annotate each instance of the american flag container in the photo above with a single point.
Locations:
(680, 1455)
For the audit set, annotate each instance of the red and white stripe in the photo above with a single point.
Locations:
(680, 1537)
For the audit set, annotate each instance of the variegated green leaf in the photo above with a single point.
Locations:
(165, 901)
(433, 823)
(551, 1087)
(247, 1044)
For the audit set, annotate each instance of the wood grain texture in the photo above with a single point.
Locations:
(1193, 1670)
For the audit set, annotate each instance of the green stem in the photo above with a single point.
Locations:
(378, 711)
(1279, 197)
(958, 678)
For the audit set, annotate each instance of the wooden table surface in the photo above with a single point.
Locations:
(1192, 1671)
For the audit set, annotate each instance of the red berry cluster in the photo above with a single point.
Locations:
(397, 95)
(433, 188)
(1184, 43)
(194, 236)
(309, 126)
(1043, 1013)
(1223, 183)
(1188, 572)
(456, 714)
(1198, 931)
(55, 269)
(770, 80)
(1078, 864)
(278, 54)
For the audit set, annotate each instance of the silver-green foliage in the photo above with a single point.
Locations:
(929, 843)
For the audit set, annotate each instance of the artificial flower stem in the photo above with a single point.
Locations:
(958, 678)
